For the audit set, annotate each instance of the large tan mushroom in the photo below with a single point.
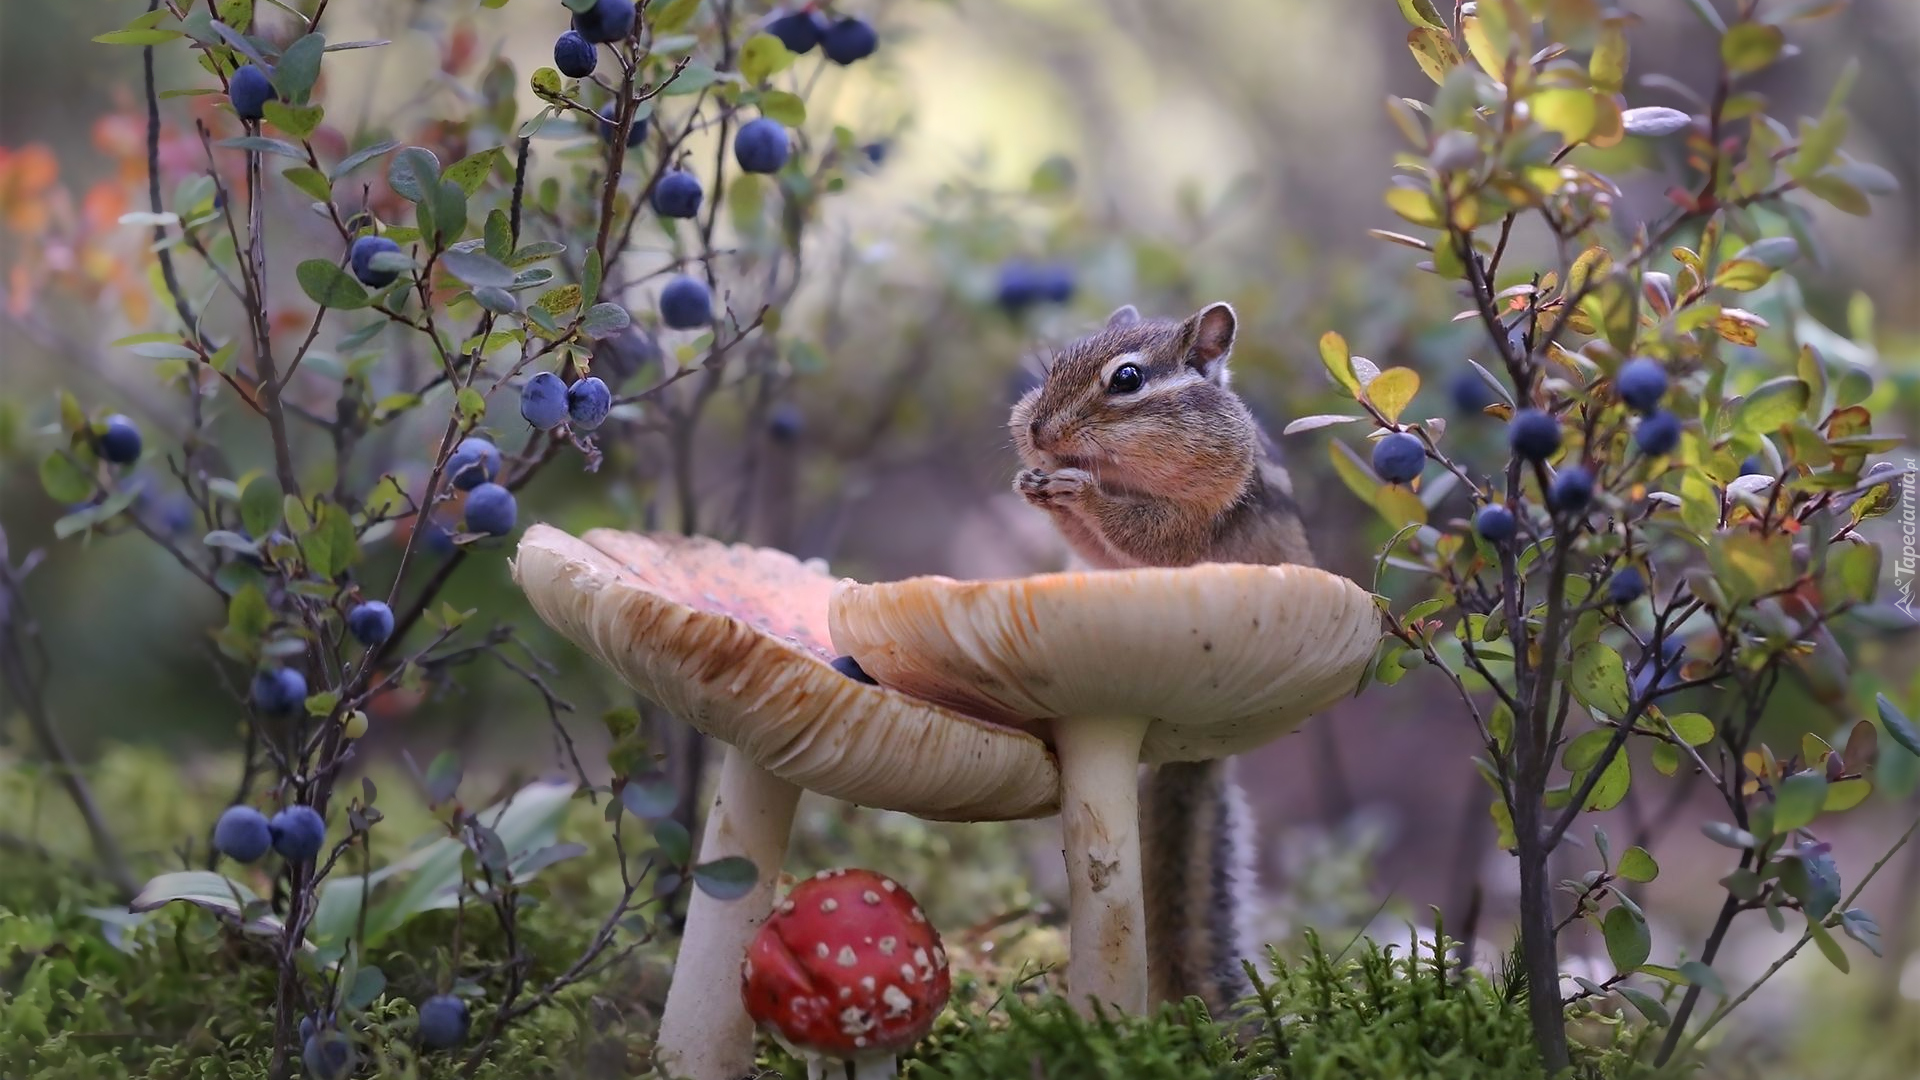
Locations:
(733, 640)
(1118, 668)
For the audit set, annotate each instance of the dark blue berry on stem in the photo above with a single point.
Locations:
(686, 304)
(242, 833)
(761, 146)
(677, 195)
(474, 462)
(1470, 392)
(849, 41)
(1399, 458)
(360, 256)
(299, 832)
(574, 55)
(370, 623)
(443, 1021)
(606, 22)
(1495, 523)
(785, 423)
(278, 691)
(1626, 586)
(491, 510)
(799, 31)
(1658, 434)
(120, 442)
(543, 401)
(588, 402)
(1641, 384)
(1533, 434)
(249, 90)
(328, 1055)
(1571, 490)
(610, 126)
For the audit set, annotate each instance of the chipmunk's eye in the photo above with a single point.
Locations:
(1126, 379)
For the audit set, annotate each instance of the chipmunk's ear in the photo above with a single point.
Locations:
(1124, 316)
(1210, 332)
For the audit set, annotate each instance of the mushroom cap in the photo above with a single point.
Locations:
(847, 966)
(1223, 657)
(733, 640)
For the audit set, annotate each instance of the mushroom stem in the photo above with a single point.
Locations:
(1100, 816)
(705, 1032)
(885, 1067)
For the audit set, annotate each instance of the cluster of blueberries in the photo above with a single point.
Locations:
(844, 41)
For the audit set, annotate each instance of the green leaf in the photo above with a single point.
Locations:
(1569, 112)
(331, 547)
(1749, 47)
(137, 37)
(415, 172)
(1334, 356)
(1612, 786)
(726, 879)
(1838, 193)
(449, 208)
(298, 121)
(310, 181)
(649, 797)
(1852, 575)
(1772, 405)
(330, 286)
(1392, 390)
(1704, 977)
(1693, 728)
(368, 984)
(763, 56)
(1422, 13)
(784, 107)
(361, 157)
(673, 15)
(605, 320)
(204, 889)
(1628, 941)
(1647, 1005)
(1829, 948)
(64, 480)
(470, 404)
(498, 232)
(1799, 800)
(559, 302)
(477, 269)
(470, 172)
(260, 144)
(1599, 679)
(260, 506)
(1899, 728)
(299, 67)
(1637, 864)
(675, 845)
(248, 616)
(1727, 836)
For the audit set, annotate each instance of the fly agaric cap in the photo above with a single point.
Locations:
(847, 967)
(733, 640)
(1119, 668)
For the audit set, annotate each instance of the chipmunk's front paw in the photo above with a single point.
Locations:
(1052, 489)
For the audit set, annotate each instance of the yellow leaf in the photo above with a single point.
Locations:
(1489, 44)
(1739, 327)
(1392, 389)
(1333, 356)
(1846, 794)
(1434, 51)
(1609, 124)
(1743, 275)
(1415, 206)
(1608, 68)
(1566, 111)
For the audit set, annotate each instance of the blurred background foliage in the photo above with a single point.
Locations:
(1169, 155)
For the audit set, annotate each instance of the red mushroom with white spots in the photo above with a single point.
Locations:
(847, 969)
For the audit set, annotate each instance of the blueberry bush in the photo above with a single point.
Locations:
(1674, 525)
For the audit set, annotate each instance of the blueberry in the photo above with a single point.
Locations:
(1024, 284)
(474, 462)
(799, 31)
(1626, 586)
(677, 195)
(1495, 523)
(1571, 490)
(587, 403)
(685, 304)
(443, 1021)
(848, 666)
(361, 257)
(279, 691)
(242, 833)
(1470, 392)
(1399, 458)
(249, 90)
(299, 832)
(760, 146)
(439, 538)
(1056, 284)
(575, 56)
(543, 401)
(876, 152)
(1533, 434)
(785, 423)
(1641, 383)
(370, 623)
(849, 40)
(606, 22)
(120, 443)
(1670, 652)
(491, 510)
(610, 126)
(1658, 433)
(1753, 465)
(328, 1055)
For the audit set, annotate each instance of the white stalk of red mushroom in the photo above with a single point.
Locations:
(847, 969)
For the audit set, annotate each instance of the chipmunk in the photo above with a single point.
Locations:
(1142, 456)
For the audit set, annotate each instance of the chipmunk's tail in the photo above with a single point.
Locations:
(1198, 838)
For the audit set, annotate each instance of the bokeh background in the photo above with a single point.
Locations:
(1171, 154)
